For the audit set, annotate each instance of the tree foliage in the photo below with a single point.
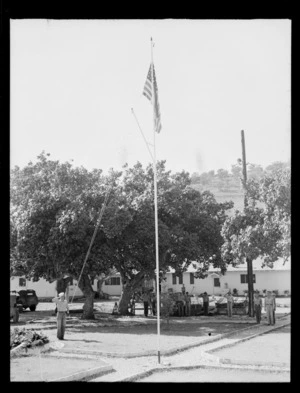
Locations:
(55, 207)
(263, 228)
(189, 225)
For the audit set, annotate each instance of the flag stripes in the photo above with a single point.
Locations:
(147, 92)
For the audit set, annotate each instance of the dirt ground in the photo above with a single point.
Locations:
(272, 347)
(109, 334)
(41, 368)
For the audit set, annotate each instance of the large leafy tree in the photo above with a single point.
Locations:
(54, 210)
(262, 229)
(189, 225)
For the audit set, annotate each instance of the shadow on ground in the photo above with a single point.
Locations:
(174, 329)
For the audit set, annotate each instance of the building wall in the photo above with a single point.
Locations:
(272, 280)
(42, 287)
(46, 289)
(113, 290)
(280, 280)
(199, 286)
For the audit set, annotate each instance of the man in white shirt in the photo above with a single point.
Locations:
(62, 310)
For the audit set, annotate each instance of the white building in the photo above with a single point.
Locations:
(45, 289)
(276, 278)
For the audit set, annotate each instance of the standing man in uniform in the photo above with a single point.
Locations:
(205, 303)
(257, 306)
(180, 304)
(187, 304)
(62, 310)
(146, 300)
(153, 303)
(229, 303)
(270, 307)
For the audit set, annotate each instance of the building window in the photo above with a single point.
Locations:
(216, 282)
(113, 281)
(22, 282)
(192, 278)
(174, 280)
(244, 279)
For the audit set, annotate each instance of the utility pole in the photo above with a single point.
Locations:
(248, 260)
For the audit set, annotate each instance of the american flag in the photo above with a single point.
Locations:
(147, 92)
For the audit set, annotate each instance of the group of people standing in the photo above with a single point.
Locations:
(269, 304)
(183, 304)
(149, 301)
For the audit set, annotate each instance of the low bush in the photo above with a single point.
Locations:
(28, 336)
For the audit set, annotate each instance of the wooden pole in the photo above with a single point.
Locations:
(248, 260)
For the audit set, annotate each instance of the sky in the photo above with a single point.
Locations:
(73, 84)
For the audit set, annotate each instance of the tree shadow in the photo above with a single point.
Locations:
(174, 329)
(82, 340)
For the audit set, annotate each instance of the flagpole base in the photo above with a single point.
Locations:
(158, 354)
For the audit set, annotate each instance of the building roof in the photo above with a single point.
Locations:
(257, 266)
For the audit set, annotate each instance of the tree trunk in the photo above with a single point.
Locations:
(86, 287)
(129, 287)
(125, 299)
(99, 287)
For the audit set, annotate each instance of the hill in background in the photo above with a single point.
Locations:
(237, 197)
(227, 186)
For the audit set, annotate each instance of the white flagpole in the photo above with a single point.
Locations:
(155, 207)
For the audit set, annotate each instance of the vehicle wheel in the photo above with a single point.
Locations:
(32, 308)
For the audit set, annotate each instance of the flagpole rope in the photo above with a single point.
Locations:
(147, 144)
(93, 238)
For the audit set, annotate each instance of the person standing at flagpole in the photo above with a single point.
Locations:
(150, 92)
(62, 310)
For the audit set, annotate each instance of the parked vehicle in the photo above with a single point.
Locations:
(240, 306)
(27, 299)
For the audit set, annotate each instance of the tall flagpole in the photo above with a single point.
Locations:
(155, 207)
